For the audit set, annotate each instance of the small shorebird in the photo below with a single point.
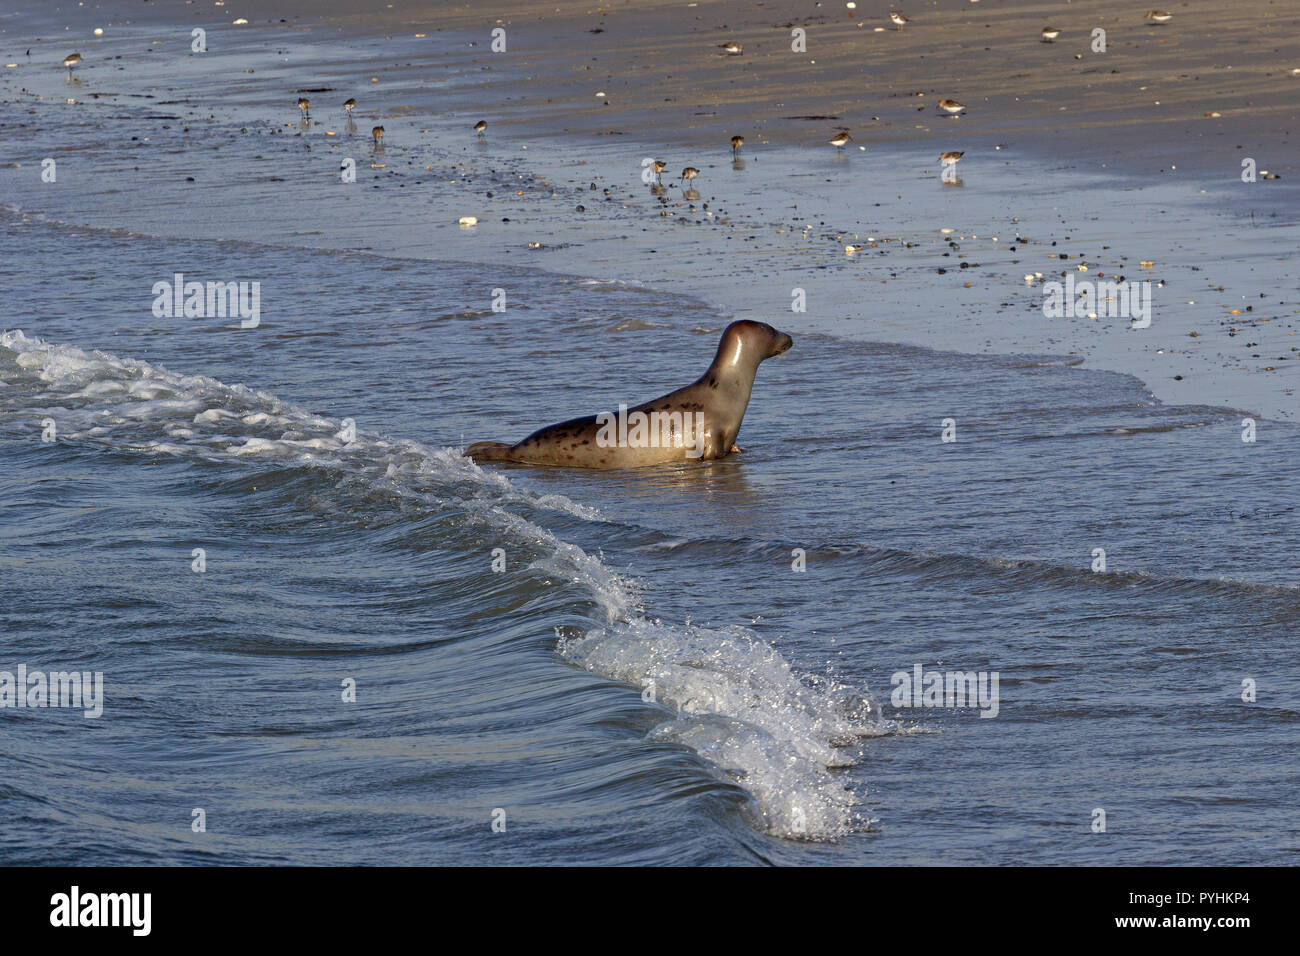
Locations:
(950, 159)
(840, 138)
(377, 133)
(690, 172)
(659, 168)
(898, 19)
(1159, 16)
(350, 104)
(736, 143)
(1050, 34)
(951, 107)
(733, 48)
(480, 127)
(304, 104)
(71, 61)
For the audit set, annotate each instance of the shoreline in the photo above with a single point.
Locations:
(742, 247)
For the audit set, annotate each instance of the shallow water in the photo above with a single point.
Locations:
(372, 560)
(769, 733)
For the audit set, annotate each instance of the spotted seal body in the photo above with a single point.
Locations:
(698, 422)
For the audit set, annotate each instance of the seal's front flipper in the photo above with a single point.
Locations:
(488, 451)
(734, 448)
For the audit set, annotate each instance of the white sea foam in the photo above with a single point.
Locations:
(90, 393)
(741, 705)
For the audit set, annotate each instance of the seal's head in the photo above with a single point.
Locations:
(744, 344)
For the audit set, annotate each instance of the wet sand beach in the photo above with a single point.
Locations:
(1098, 162)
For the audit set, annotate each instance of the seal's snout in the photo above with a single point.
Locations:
(782, 344)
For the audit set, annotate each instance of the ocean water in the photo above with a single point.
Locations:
(770, 733)
(684, 665)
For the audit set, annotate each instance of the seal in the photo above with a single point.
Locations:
(697, 422)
